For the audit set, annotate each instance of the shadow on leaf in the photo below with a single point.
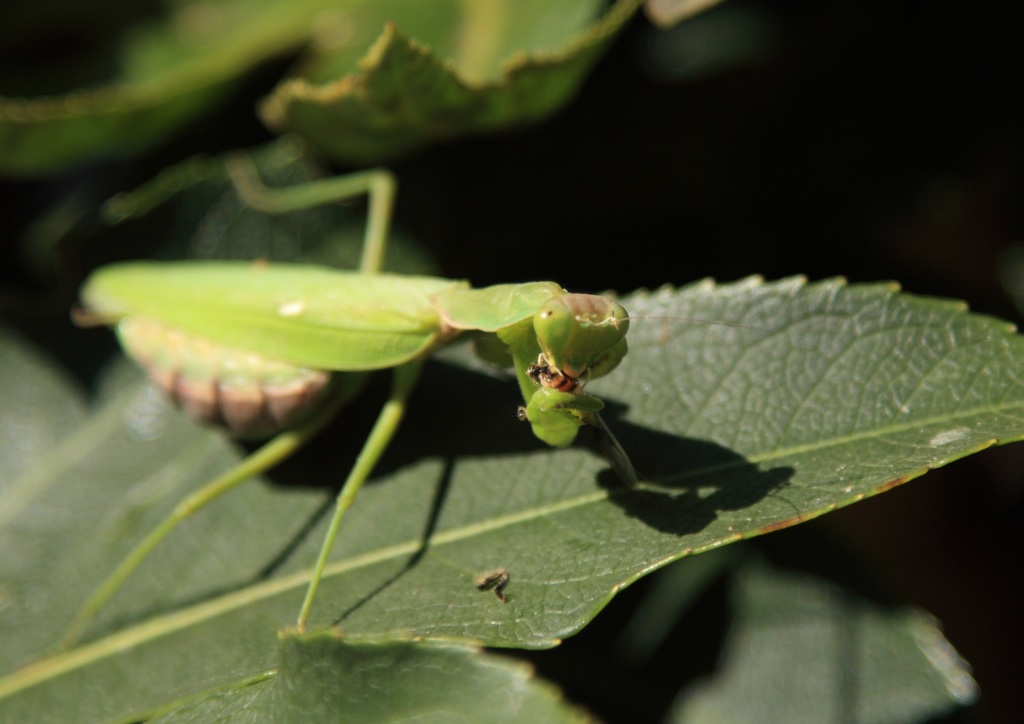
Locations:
(673, 500)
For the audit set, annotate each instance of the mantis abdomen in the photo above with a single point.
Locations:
(247, 392)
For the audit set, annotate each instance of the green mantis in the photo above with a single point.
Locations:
(264, 347)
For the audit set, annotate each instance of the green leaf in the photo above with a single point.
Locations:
(34, 392)
(801, 649)
(492, 65)
(170, 72)
(666, 13)
(321, 677)
(499, 65)
(818, 396)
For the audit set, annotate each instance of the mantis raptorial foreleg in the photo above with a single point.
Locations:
(379, 185)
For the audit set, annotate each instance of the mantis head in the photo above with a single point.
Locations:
(582, 335)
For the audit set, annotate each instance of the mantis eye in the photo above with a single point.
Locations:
(555, 325)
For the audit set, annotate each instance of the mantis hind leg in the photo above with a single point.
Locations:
(378, 184)
(265, 458)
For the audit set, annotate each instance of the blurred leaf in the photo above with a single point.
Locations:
(1010, 268)
(498, 65)
(729, 37)
(171, 71)
(821, 395)
(322, 678)
(494, 64)
(321, 675)
(31, 393)
(666, 13)
(802, 650)
(670, 594)
(53, 46)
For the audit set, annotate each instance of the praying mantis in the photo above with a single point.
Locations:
(275, 349)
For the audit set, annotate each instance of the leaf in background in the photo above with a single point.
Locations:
(521, 61)
(322, 675)
(170, 71)
(802, 650)
(500, 64)
(322, 678)
(29, 429)
(822, 394)
(666, 13)
(1010, 267)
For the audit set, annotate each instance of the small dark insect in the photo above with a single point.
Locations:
(547, 376)
(496, 580)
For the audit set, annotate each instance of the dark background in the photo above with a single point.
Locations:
(873, 140)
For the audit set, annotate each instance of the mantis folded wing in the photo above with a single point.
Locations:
(255, 346)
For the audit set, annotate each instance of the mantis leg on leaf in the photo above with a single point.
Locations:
(255, 346)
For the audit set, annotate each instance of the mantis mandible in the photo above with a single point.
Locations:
(265, 347)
